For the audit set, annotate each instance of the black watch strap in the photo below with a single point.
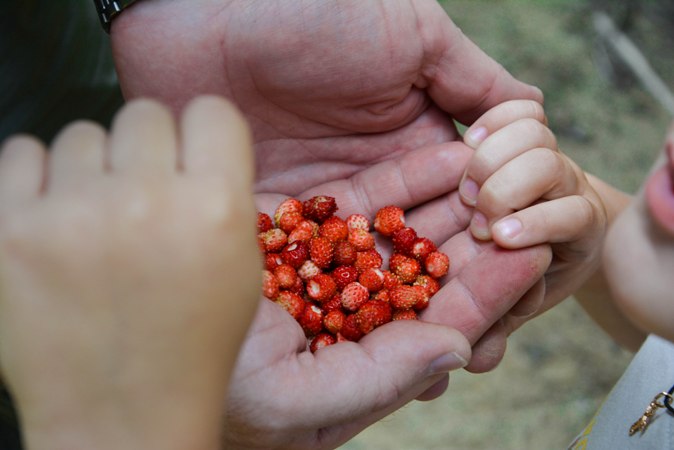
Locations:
(108, 9)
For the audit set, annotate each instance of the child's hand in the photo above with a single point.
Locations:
(526, 192)
(129, 273)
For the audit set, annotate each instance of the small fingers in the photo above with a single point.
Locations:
(22, 170)
(500, 116)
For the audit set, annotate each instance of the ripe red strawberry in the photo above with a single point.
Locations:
(404, 267)
(354, 295)
(321, 340)
(264, 222)
(286, 276)
(358, 221)
(361, 240)
(404, 297)
(270, 285)
(430, 284)
(272, 260)
(344, 275)
(295, 254)
(372, 279)
(334, 229)
(321, 287)
(308, 270)
(424, 299)
(304, 231)
(335, 303)
(369, 259)
(404, 314)
(298, 287)
(319, 208)
(291, 302)
(350, 330)
(389, 219)
(273, 240)
(286, 206)
(382, 295)
(422, 247)
(391, 280)
(289, 221)
(437, 264)
(372, 315)
(311, 319)
(334, 320)
(320, 251)
(403, 240)
(344, 254)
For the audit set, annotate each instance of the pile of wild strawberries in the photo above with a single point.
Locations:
(326, 272)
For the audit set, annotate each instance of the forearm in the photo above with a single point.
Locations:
(595, 295)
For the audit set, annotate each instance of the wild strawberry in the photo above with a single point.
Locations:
(304, 231)
(403, 240)
(404, 297)
(430, 284)
(344, 275)
(270, 285)
(308, 270)
(382, 295)
(388, 220)
(298, 287)
(354, 295)
(372, 315)
(319, 208)
(344, 254)
(291, 302)
(273, 240)
(321, 287)
(350, 330)
(334, 320)
(404, 314)
(372, 279)
(437, 264)
(286, 206)
(406, 268)
(272, 260)
(369, 259)
(422, 247)
(320, 251)
(311, 319)
(289, 221)
(264, 222)
(391, 280)
(424, 299)
(295, 254)
(335, 303)
(286, 276)
(321, 340)
(334, 229)
(361, 240)
(358, 222)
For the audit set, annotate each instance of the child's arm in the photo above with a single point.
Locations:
(129, 272)
(526, 192)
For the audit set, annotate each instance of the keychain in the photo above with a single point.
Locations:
(662, 400)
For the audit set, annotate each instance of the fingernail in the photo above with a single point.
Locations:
(478, 226)
(509, 227)
(469, 190)
(475, 136)
(446, 363)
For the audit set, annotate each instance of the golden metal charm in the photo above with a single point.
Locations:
(642, 423)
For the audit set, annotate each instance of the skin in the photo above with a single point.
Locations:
(118, 320)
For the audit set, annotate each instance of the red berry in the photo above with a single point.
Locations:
(358, 222)
(298, 287)
(369, 259)
(389, 219)
(321, 340)
(403, 240)
(391, 280)
(334, 229)
(361, 240)
(404, 267)
(350, 330)
(382, 295)
(320, 251)
(321, 287)
(272, 260)
(311, 319)
(334, 320)
(286, 206)
(286, 276)
(319, 208)
(273, 240)
(335, 303)
(404, 314)
(344, 254)
(430, 284)
(291, 302)
(289, 221)
(344, 275)
(295, 254)
(404, 297)
(270, 285)
(437, 264)
(424, 298)
(422, 247)
(372, 315)
(372, 279)
(304, 231)
(264, 222)
(308, 270)
(354, 295)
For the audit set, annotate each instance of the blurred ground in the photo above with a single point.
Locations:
(559, 367)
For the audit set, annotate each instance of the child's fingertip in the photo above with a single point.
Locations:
(508, 228)
(475, 136)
